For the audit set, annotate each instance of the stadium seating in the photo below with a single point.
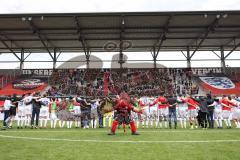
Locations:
(135, 81)
(94, 82)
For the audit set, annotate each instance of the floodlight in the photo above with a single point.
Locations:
(225, 15)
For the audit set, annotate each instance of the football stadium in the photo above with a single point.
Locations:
(119, 84)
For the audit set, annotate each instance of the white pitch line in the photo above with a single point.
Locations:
(104, 141)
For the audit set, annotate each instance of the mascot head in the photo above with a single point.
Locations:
(124, 96)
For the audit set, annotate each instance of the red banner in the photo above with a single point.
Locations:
(105, 83)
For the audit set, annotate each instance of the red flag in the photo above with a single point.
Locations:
(105, 83)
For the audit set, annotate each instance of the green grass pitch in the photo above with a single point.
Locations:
(95, 144)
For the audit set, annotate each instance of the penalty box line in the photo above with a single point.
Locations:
(104, 141)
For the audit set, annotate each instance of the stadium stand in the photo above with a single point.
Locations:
(94, 82)
(90, 82)
(99, 82)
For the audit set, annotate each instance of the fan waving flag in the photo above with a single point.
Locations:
(105, 83)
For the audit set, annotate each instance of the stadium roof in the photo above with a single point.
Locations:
(137, 31)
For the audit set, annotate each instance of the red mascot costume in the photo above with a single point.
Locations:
(122, 114)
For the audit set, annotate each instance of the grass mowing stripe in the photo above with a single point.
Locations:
(103, 141)
(103, 131)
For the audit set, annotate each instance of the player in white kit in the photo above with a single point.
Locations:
(137, 117)
(236, 111)
(146, 111)
(217, 112)
(94, 113)
(182, 111)
(153, 111)
(21, 113)
(162, 112)
(77, 114)
(44, 113)
(28, 109)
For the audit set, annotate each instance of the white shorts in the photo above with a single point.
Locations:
(21, 112)
(162, 112)
(94, 113)
(226, 114)
(146, 113)
(182, 113)
(44, 112)
(28, 110)
(218, 114)
(192, 113)
(236, 114)
(53, 116)
(134, 116)
(152, 112)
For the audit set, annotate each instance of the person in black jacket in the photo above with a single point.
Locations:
(85, 106)
(172, 101)
(203, 112)
(13, 109)
(210, 107)
(36, 105)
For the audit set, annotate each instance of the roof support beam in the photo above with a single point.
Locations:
(154, 58)
(223, 65)
(81, 37)
(88, 54)
(59, 54)
(137, 60)
(183, 54)
(96, 38)
(209, 29)
(232, 40)
(188, 58)
(121, 60)
(233, 28)
(22, 60)
(163, 35)
(54, 59)
(216, 54)
(36, 30)
(10, 49)
(7, 39)
(238, 45)
(27, 56)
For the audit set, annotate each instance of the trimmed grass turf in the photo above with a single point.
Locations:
(29, 149)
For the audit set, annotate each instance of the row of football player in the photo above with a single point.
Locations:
(29, 108)
(202, 111)
(185, 108)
